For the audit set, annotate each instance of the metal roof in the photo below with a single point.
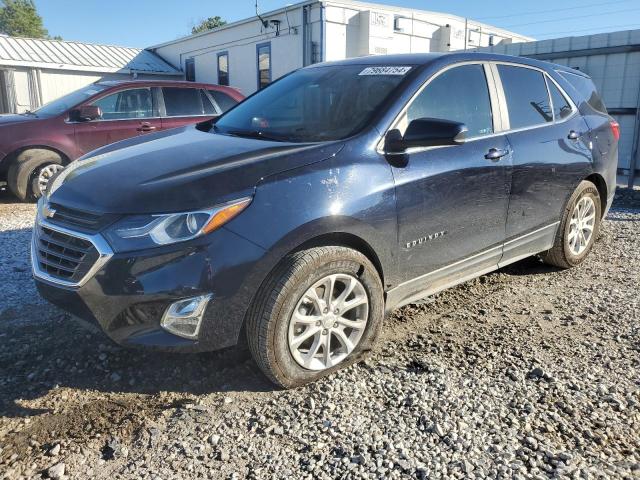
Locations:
(62, 55)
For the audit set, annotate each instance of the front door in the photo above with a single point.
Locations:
(125, 114)
(452, 201)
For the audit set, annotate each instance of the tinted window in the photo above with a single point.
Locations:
(223, 69)
(561, 107)
(224, 101)
(182, 101)
(208, 107)
(586, 89)
(527, 97)
(264, 65)
(314, 104)
(460, 94)
(134, 103)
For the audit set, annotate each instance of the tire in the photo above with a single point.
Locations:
(564, 254)
(25, 169)
(286, 290)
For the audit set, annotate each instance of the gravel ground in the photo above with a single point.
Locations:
(529, 372)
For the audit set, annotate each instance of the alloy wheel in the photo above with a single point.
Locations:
(581, 225)
(328, 322)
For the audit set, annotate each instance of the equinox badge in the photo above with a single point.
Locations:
(426, 238)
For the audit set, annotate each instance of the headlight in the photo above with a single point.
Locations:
(144, 231)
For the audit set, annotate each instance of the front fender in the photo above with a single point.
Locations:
(339, 195)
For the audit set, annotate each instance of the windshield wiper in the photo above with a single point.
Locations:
(255, 134)
(29, 112)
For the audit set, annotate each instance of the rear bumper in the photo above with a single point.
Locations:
(128, 295)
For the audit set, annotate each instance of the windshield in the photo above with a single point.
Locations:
(62, 104)
(314, 104)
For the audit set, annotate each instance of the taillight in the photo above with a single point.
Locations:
(615, 129)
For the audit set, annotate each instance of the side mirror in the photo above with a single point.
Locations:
(86, 113)
(426, 132)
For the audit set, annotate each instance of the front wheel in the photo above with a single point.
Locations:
(578, 228)
(31, 171)
(320, 310)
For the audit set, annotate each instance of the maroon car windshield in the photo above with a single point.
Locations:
(62, 104)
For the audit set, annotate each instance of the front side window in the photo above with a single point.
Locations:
(527, 97)
(460, 94)
(223, 69)
(182, 102)
(264, 65)
(314, 104)
(126, 104)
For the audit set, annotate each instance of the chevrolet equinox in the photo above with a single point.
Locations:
(343, 190)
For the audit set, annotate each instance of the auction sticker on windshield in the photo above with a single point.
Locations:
(390, 70)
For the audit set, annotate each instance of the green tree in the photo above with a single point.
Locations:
(208, 24)
(19, 18)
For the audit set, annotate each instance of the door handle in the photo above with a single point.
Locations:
(573, 135)
(145, 127)
(495, 154)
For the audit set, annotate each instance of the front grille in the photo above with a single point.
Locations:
(63, 256)
(82, 220)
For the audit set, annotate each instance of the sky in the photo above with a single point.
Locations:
(142, 23)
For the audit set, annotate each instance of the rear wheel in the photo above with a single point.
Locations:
(320, 310)
(578, 229)
(31, 171)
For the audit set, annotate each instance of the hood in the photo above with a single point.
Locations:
(11, 118)
(177, 170)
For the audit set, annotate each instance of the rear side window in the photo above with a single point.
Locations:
(469, 104)
(224, 101)
(180, 102)
(527, 97)
(561, 107)
(586, 89)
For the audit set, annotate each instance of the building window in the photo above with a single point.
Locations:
(263, 54)
(190, 70)
(223, 68)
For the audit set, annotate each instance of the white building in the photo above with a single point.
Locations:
(252, 52)
(35, 71)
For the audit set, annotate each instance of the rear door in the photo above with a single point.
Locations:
(186, 105)
(551, 154)
(125, 113)
(452, 201)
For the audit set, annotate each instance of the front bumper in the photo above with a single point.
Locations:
(128, 294)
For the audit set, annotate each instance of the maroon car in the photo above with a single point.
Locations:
(34, 146)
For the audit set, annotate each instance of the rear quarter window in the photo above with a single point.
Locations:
(586, 89)
(224, 101)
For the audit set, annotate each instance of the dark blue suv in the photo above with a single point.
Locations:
(338, 193)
